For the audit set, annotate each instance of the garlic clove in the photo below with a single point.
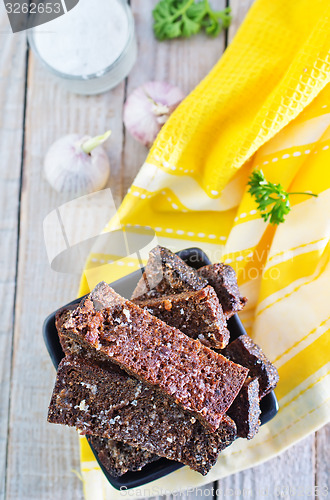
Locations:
(68, 169)
(147, 109)
(139, 118)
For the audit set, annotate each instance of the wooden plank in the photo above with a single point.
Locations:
(239, 9)
(12, 89)
(42, 457)
(290, 475)
(181, 62)
(322, 462)
(292, 471)
(202, 492)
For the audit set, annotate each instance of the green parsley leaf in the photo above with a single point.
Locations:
(272, 200)
(184, 18)
(189, 27)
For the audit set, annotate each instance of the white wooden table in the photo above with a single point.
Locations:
(38, 460)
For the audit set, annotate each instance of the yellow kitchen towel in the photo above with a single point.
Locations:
(266, 104)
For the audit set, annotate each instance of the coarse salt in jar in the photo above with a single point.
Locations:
(91, 48)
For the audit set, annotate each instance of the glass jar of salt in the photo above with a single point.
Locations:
(90, 48)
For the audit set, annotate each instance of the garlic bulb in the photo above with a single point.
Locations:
(77, 164)
(147, 109)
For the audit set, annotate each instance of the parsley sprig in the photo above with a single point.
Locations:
(272, 200)
(184, 18)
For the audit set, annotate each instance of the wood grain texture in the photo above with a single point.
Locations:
(42, 456)
(322, 462)
(239, 9)
(203, 492)
(181, 62)
(12, 89)
(290, 475)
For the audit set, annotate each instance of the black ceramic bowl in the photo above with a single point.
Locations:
(125, 286)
